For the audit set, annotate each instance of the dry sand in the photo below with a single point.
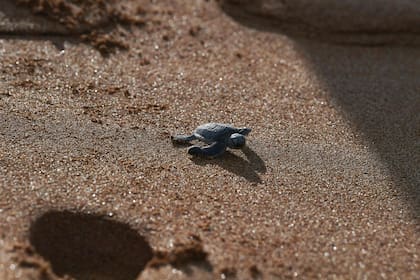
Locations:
(91, 188)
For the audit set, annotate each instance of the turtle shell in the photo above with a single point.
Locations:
(213, 132)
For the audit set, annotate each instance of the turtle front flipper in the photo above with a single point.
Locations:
(211, 151)
(183, 139)
(244, 131)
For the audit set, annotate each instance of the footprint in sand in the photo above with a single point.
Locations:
(89, 247)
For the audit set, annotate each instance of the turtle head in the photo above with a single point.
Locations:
(244, 131)
(236, 141)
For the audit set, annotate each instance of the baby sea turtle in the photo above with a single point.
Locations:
(218, 137)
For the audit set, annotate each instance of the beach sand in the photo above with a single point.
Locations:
(92, 188)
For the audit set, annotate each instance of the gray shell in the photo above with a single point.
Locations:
(212, 132)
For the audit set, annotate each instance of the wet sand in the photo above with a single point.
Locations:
(91, 186)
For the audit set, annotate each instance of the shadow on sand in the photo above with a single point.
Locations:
(247, 168)
(377, 89)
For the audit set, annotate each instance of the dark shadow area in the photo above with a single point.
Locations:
(319, 21)
(254, 159)
(245, 168)
(89, 247)
(376, 88)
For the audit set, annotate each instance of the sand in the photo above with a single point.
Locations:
(92, 188)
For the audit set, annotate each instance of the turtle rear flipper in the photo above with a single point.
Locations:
(211, 151)
(183, 139)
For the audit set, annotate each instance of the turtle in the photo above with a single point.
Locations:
(218, 136)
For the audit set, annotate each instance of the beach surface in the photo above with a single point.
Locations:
(91, 187)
